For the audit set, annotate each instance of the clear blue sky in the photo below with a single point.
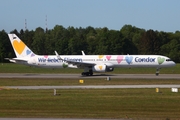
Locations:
(161, 15)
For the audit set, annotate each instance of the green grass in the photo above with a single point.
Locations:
(16, 68)
(91, 103)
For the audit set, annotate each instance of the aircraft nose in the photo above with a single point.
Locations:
(170, 63)
(173, 63)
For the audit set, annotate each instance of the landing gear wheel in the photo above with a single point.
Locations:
(90, 74)
(83, 74)
(87, 73)
(157, 74)
(157, 71)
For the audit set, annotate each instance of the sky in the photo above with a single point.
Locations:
(160, 15)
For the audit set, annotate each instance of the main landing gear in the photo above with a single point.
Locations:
(90, 73)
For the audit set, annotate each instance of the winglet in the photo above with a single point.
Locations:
(58, 56)
(83, 53)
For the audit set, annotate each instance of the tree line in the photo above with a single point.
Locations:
(71, 41)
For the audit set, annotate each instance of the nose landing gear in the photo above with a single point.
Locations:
(157, 71)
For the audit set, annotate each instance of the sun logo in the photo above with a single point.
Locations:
(101, 56)
(100, 67)
(19, 46)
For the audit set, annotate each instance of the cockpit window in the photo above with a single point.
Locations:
(168, 60)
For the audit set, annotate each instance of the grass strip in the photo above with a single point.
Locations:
(90, 103)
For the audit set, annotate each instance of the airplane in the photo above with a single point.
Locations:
(90, 63)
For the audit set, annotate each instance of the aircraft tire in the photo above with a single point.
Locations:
(83, 74)
(157, 74)
(90, 73)
(87, 73)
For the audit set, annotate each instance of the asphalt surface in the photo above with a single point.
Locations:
(90, 87)
(120, 76)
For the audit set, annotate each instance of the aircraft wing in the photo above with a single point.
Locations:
(78, 64)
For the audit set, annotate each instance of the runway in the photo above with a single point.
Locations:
(119, 76)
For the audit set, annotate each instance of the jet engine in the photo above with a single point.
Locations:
(102, 68)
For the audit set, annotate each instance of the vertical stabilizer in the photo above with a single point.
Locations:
(20, 49)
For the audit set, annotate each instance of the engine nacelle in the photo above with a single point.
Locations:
(102, 68)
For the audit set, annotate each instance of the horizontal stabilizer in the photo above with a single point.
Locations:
(16, 60)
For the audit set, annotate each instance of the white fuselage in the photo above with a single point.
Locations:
(51, 61)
